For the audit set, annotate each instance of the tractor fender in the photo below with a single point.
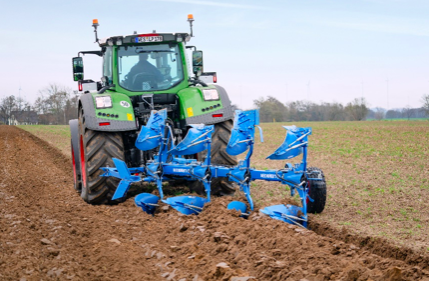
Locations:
(207, 119)
(74, 131)
(92, 121)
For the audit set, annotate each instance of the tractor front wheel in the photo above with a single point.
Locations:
(317, 190)
(96, 150)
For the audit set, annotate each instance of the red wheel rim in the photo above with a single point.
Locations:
(82, 161)
(74, 166)
(309, 190)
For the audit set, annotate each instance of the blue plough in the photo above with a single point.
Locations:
(169, 164)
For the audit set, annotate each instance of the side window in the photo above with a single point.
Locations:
(107, 64)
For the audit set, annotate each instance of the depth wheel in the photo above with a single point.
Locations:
(96, 150)
(317, 191)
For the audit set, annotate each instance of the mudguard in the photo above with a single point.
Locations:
(208, 119)
(74, 131)
(92, 121)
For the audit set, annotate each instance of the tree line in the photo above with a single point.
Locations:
(55, 105)
(273, 110)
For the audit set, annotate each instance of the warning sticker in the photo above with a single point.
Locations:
(190, 112)
(129, 116)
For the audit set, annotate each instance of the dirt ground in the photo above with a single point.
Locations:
(48, 233)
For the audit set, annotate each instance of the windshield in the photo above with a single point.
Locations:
(149, 68)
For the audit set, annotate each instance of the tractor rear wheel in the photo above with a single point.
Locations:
(317, 191)
(220, 138)
(96, 150)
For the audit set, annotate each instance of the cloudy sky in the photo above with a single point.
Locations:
(319, 50)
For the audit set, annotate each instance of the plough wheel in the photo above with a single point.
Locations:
(317, 191)
(96, 150)
(220, 138)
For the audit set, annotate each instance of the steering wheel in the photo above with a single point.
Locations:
(144, 81)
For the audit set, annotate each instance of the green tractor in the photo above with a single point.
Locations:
(141, 73)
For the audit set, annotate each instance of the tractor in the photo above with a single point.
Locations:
(157, 117)
(141, 73)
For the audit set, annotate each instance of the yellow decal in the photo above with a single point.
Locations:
(130, 116)
(190, 112)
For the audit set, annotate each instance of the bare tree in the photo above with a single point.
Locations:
(7, 105)
(271, 109)
(408, 112)
(40, 104)
(379, 113)
(425, 104)
(357, 109)
(334, 112)
(21, 104)
(55, 100)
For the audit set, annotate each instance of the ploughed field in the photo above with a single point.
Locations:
(373, 228)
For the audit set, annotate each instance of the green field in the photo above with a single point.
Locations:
(57, 135)
(377, 174)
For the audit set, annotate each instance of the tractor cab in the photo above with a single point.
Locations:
(145, 62)
(154, 67)
(138, 63)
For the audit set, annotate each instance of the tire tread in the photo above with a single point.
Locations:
(317, 192)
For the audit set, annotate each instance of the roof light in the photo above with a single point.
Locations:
(191, 20)
(119, 42)
(110, 42)
(95, 25)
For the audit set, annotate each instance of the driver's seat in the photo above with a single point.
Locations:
(144, 82)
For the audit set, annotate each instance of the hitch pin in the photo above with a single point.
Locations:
(244, 180)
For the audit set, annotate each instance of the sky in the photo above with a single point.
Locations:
(316, 50)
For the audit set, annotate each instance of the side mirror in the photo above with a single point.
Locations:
(77, 68)
(197, 62)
